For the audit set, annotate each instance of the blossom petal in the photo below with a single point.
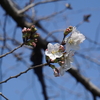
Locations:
(53, 51)
(73, 41)
(56, 46)
(58, 54)
(50, 47)
(50, 55)
(61, 71)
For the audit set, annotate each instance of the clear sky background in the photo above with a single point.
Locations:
(27, 86)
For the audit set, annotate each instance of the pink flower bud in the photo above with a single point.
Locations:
(33, 26)
(62, 62)
(28, 29)
(68, 30)
(56, 72)
(34, 44)
(37, 34)
(52, 61)
(24, 30)
(35, 40)
(61, 48)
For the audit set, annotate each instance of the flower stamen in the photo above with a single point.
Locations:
(54, 52)
(70, 41)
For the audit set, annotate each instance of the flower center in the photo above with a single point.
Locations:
(53, 52)
(70, 41)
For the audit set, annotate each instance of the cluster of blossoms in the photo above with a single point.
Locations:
(30, 36)
(63, 53)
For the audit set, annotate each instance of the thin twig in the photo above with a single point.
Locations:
(4, 96)
(35, 4)
(12, 50)
(2, 49)
(49, 34)
(23, 72)
(52, 15)
(96, 61)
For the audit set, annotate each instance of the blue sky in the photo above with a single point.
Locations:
(27, 86)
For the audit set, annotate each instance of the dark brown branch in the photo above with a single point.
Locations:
(4, 96)
(94, 97)
(36, 58)
(84, 81)
(52, 15)
(35, 4)
(13, 11)
(41, 65)
(12, 50)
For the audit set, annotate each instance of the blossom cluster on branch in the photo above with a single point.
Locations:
(30, 36)
(64, 52)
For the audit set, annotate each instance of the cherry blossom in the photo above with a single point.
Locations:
(73, 41)
(67, 63)
(53, 51)
(65, 51)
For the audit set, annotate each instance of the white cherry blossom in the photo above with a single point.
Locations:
(53, 51)
(73, 41)
(67, 63)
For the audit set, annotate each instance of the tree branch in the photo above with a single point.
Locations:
(35, 4)
(12, 50)
(52, 15)
(84, 81)
(41, 65)
(4, 96)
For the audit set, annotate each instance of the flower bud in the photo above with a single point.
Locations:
(68, 30)
(33, 28)
(28, 30)
(24, 30)
(61, 48)
(33, 44)
(56, 72)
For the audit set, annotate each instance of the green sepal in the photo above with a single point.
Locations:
(24, 35)
(52, 66)
(34, 29)
(56, 61)
(35, 36)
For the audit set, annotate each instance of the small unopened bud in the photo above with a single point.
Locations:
(56, 72)
(61, 63)
(61, 48)
(33, 28)
(70, 27)
(52, 61)
(36, 35)
(68, 30)
(35, 40)
(28, 29)
(34, 44)
(24, 30)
